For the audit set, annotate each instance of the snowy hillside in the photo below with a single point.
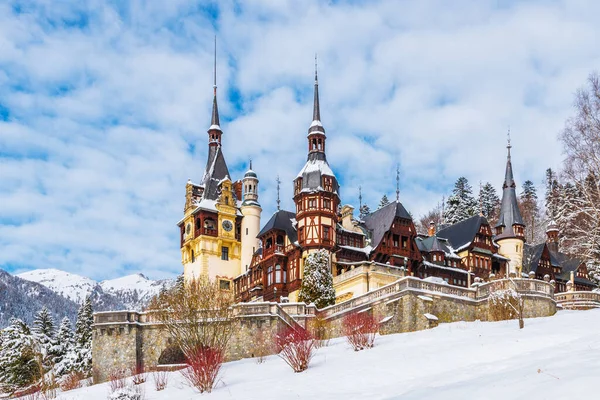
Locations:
(129, 292)
(70, 286)
(22, 299)
(134, 290)
(552, 358)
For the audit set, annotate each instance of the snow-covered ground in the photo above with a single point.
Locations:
(552, 358)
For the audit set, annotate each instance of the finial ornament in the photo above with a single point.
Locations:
(480, 199)
(398, 182)
(215, 68)
(360, 198)
(316, 79)
(250, 163)
(278, 190)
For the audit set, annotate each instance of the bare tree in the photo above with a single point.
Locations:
(581, 201)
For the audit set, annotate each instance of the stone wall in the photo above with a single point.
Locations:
(124, 339)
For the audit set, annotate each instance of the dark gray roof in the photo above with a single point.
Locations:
(462, 233)
(282, 220)
(570, 265)
(312, 173)
(509, 209)
(214, 120)
(531, 257)
(216, 171)
(435, 243)
(380, 221)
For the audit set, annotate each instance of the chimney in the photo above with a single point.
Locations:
(431, 230)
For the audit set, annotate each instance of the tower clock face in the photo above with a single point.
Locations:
(227, 225)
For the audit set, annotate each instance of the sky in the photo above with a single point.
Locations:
(104, 107)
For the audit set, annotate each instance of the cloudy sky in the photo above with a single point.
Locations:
(104, 108)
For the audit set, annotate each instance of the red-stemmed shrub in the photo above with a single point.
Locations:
(71, 381)
(296, 346)
(117, 379)
(139, 375)
(360, 330)
(204, 364)
(161, 379)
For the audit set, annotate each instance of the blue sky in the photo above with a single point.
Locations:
(104, 108)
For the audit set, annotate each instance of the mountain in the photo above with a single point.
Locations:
(135, 291)
(128, 292)
(23, 299)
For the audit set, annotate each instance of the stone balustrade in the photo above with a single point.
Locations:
(578, 300)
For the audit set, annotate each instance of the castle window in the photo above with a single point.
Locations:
(198, 223)
(327, 204)
(225, 253)
(193, 258)
(224, 284)
(326, 232)
(269, 276)
(246, 231)
(278, 275)
(301, 234)
(397, 241)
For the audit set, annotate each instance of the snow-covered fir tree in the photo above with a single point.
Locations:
(64, 350)
(552, 196)
(461, 203)
(44, 332)
(18, 357)
(489, 202)
(364, 211)
(317, 283)
(83, 338)
(384, 201)
(530, 210)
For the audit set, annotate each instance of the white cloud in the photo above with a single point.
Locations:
(108, 117)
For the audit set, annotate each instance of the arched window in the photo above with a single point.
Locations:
(269, 276)
(269, 243)
(278, 273)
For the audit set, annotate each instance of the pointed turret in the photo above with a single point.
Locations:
(510, 229)
(214, 131)
(510, 223)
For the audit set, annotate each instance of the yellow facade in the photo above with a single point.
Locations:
(512, 248)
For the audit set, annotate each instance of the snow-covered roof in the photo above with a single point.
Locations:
(316, 165)
(432, 265)
(367, 249)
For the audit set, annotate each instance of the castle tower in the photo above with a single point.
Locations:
(552, 237)
(316, 189)
(251, 211)
(510, 229)
(211, 226)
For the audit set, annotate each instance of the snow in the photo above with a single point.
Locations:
(425, 298)
(551, 358)
(430, 317)
(71, 286)
(316, 122)
(316, 166)
(435, 279)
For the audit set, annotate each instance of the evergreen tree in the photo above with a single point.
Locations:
(490, 202)
(18, 362)
(364, 211)
(317, 282)
(65, 343)
(461, 204)
(552, 197)
(383, 202)
(44, 332)
(83, 338)
(528, 203)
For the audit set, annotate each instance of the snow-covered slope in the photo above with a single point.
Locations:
(71, 286)
(551, 358)
(134, 290)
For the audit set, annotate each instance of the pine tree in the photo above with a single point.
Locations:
(461, 204)
(44, 331)
(317, 282)
(83, 338)
(383, 202)
(65, 343)
(551, 197)
(18, 362)
(364, 211)
(528, 203)
(490, 202)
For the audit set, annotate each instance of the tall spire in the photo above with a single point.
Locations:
(510, 214)
(214, 121)
(509, 180)
(316, 126)
(360, 198)
(397, 182)
(278, 190)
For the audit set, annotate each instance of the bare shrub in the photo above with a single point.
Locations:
(296, 347)
(161, 379)
(71, 381)
(128, 392)
(262, 345)
(117, 379)
(321, 330)
(203, 368)
(139, 376)
(506, 304)
(197, 315)
(360, 330)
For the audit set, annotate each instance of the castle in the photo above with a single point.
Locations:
(221, 235)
